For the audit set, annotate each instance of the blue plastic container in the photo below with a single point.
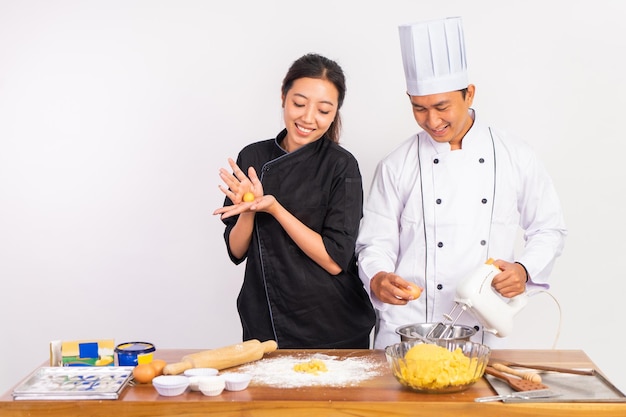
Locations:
(134, 353)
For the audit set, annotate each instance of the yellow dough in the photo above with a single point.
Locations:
(314, 366)
(432, 367)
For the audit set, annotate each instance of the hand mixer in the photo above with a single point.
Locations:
(476, 295)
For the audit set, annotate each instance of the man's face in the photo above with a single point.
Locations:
(445, 117)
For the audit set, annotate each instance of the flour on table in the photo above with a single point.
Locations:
(342, 372)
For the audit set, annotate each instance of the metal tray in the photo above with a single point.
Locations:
(74, 383)
(570, 387)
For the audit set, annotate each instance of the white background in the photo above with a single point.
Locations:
(115, 117)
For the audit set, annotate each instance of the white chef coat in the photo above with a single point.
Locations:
(434, 215)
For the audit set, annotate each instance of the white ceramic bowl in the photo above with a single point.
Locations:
(170, 385)
(201, 371)
(236, 382)
(211, 385)
(195, 374)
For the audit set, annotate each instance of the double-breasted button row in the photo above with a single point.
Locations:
(439, 201)
(482, 243)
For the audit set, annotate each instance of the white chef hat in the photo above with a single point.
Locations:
(433, 54)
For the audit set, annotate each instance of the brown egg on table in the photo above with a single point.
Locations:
(158, 365)
(144, 373)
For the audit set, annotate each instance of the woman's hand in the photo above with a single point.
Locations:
(259, 204)
(239, 184)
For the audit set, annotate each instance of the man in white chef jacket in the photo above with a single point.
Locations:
(452, 196)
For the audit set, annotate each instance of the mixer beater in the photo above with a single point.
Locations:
(476, 295)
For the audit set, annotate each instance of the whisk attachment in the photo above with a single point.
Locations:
(444, 329)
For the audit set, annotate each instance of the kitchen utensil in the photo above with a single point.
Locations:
(420, 330)
(200, 372)
(524, 395)
(552, 368)
(421, 338)
(475, 294)
(194, 375)
(530, 376)
(212, 385)
(170, 385)
(439, 368)
(224, 357)
(236, 381)
(517, 384)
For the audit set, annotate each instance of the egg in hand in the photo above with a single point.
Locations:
(414, 291)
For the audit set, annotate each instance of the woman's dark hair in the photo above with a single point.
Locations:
(317, 66)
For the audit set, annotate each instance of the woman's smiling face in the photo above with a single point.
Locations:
(309, 108)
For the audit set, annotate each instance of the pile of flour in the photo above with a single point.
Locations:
(342, 372)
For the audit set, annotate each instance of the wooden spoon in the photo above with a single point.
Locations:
(530, 376)
(517, 384)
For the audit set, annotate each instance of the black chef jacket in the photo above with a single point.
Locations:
(285, 295)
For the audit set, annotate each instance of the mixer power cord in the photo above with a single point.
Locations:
(532, 293)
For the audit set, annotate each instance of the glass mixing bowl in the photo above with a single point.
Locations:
(443, 366)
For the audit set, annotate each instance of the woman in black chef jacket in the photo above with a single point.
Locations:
(301, 286)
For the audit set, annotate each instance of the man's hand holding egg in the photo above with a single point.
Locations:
(414, 291)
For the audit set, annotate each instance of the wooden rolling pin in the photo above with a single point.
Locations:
(222, 358)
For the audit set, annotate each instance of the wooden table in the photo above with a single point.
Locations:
(379, 396)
